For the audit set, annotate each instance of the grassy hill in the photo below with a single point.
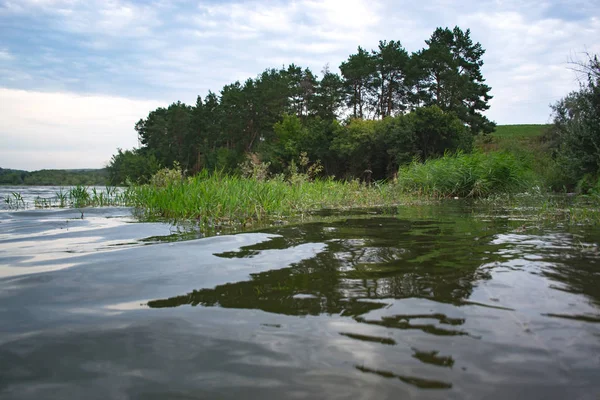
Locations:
(526, 142)
(515, 138)
(520, 131)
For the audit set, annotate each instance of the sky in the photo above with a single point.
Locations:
(75, 75)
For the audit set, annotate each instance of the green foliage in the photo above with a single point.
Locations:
(520, 131)
(167, 133)
(167, 176)
(136, 166)
(449, 75)
(358, 76)
(399, 140)
(467, 175)
(575, 135)
(358, 144)
(530, 144)
(437, 131)
(14, 201)
(253, 168)
(12, 177)
(390, 84)
(290, 138)
(289, 110)
(79, 195)
(381, 146)
(304, 170)
(328, 98)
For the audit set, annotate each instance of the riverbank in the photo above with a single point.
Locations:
(222, 202)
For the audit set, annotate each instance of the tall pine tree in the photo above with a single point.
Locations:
(450, 77)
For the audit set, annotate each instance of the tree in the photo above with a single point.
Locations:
(399, 140)
(167, 132)
(270, 101)
(329, 96)
(451, 78)
(287, 111)
(302, 87)
(361, 147)
(358, 75)
(576, 127)
(437, 131)
(389, 84)
(136, 166)
(236, 115)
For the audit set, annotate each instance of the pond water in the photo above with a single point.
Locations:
(434, 302)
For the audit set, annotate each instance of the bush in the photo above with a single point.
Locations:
(166, 176)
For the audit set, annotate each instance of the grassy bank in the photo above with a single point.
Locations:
(227, 201)
(509, 163)
(217, 198)
(223, 199)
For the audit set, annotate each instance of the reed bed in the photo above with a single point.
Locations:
(468, 175)
(225, 199)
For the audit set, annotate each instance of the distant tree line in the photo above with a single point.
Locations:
(55, 177)
(385, 108)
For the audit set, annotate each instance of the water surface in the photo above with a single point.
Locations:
(434, 302)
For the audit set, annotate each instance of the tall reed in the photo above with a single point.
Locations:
(219, 198)
(468, 175)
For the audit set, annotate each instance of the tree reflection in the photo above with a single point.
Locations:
(366, 260)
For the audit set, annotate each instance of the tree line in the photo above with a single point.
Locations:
(54, 177)
(386, 107)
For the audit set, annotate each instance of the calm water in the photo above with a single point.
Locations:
(436, 302)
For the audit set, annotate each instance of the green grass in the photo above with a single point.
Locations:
(526, 143)
(220, 199)
(520, 131)
(514, 138)
(468, 175)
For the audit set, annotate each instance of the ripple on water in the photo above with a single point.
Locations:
(435, 304)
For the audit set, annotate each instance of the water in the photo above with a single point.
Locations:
(434, 302)
(20, 197)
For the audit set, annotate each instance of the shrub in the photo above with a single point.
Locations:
(166, 176)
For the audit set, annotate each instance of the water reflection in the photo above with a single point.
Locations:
(411, 380)
(365, 261)
(487, 276)
(439, 305)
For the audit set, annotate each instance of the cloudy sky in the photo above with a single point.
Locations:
(75, 75)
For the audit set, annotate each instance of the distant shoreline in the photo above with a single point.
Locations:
(54, 177)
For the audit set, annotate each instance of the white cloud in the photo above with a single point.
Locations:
(526, 61)
(5, 55)
(63, 130)
(176, 50)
